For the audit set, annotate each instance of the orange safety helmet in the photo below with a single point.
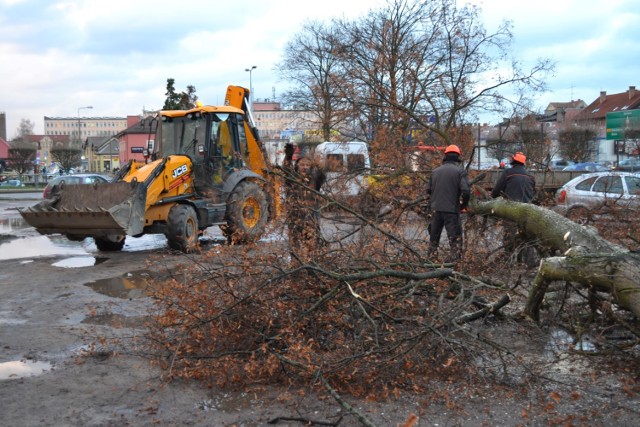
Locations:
(519, 157)
(453, 149)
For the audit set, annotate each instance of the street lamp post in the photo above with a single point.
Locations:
(88, 107)
(250, 70)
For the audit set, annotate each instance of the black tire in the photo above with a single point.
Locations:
(110, 243)
(76, 237)
(579, 214)
(247, 213)
(182, 228)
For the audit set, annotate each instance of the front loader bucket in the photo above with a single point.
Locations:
(100, 210)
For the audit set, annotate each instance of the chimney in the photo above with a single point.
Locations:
(603, 96)
(632, 91)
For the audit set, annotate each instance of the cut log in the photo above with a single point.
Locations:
(587, 258)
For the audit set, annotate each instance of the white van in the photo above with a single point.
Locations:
(347, 165)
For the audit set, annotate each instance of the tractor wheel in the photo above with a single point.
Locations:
(182, 228)
(110, 243)
(247, 213)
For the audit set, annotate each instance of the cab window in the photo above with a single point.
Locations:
(355, 162)
(334, 162)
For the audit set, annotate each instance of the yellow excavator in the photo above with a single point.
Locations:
(205, 167)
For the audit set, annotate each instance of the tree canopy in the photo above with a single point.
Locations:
(24, 129)
(67, 157)
(179, 101)
(409, 70)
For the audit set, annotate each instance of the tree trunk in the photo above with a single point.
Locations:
(587, 258)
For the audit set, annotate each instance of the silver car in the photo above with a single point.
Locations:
(80, 178)
(581, 197)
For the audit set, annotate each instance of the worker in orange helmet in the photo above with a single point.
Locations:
(515, 184)
(449, 193)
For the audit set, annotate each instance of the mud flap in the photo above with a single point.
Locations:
(91, 210)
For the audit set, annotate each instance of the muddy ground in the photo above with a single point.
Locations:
(58, 297)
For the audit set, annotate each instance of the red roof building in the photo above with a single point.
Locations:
(598, 109)
(595, 114)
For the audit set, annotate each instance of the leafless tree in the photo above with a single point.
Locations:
(24, 129)
(500, 148)
(310, 63)
(67, 157)
(577, 143)
(21, 157)
(433, 64)
(531, 140)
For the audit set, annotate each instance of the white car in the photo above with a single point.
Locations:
(583, 195)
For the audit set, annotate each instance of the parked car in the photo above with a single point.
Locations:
(80, 178)
(629, 165)
(559, 164)
(586, 167)
(12, 183)
(583, 195)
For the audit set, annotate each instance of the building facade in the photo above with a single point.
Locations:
(595, 115)
(80, 128)
(272, 121)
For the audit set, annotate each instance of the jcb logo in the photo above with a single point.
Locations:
(179, 171)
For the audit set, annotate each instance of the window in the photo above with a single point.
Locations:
(586, 184)
(609, 184)
(633, 185)
(334, 162)
(355, 162)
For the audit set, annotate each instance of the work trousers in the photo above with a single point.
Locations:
(451, 222)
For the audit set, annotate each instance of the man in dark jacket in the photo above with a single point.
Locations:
(515, 183)
(303, 216)
(449, 193)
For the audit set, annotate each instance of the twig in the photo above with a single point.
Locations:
(489, 308)
(361, 417)
(305, 421)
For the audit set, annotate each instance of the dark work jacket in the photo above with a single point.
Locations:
(449, 188)
(515, 184)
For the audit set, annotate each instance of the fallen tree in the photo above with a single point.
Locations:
(584, 256)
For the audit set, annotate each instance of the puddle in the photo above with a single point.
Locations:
(227, 402)
(76, 262)
(117, 321)
(22, 369)
(560, 341)
(11, 225)
(145, 243)
(82, 261)
(131, 285)
(39, 246)
(6, 318)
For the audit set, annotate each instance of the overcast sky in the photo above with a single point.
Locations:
(58, 56)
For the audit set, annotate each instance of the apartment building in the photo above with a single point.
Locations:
(80, 128)
(272, 120)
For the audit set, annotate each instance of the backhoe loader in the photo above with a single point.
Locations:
(205, 167)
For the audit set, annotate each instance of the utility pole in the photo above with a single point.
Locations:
(250, 70)
(89, 107)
